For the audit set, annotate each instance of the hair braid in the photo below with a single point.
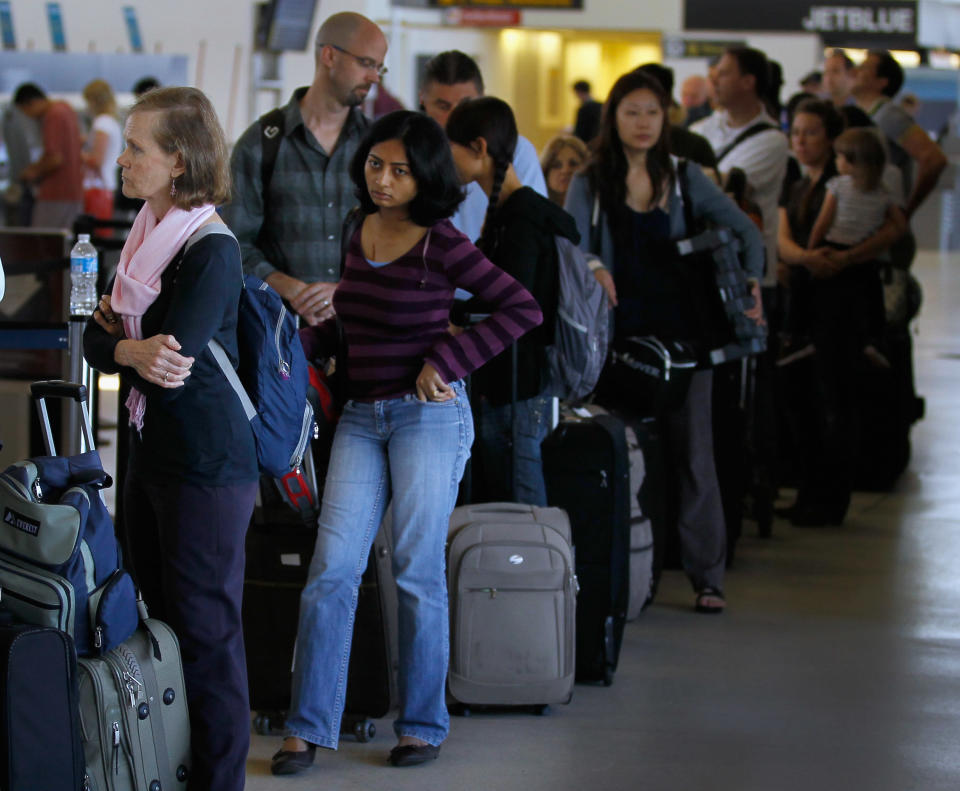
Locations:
(499, 174)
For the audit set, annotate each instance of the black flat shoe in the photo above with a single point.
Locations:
(288, 762)
(413, 754)
(814, 516)
(786, 511)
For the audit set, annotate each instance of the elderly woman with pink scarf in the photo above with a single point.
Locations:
(192, 475)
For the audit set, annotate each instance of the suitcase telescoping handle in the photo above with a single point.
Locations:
(55, 388)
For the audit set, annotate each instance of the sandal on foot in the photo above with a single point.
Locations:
(710, 600)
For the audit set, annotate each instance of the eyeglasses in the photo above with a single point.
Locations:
(367, 63)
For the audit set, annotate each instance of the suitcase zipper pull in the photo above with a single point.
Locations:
(98, 637)
(133, 688)
(37, 490)
(603, 479)
(116, 748)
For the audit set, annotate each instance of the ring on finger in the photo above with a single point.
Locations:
(165, 375)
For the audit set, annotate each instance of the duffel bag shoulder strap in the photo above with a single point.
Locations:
(684, 185)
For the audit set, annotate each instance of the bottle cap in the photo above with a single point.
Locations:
(83, 237)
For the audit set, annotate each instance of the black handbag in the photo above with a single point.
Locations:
(718, 289)
(647, 376)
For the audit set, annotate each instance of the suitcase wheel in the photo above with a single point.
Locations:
(267, 723)
(607, 675)
(360, 728)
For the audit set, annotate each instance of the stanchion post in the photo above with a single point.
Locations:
(77, 371)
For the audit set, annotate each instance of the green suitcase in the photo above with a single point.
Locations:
(133, 714)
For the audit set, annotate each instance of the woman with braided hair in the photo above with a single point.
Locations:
(519, 237)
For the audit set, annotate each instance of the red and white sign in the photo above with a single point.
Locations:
(483, 17)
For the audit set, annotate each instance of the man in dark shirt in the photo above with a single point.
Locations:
(695, 98)
(588, 115)
(290, 236)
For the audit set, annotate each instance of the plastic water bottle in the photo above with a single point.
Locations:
(83, 277)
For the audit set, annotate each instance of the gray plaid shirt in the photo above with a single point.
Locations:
(309, 195)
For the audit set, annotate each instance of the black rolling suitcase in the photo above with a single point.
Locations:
(887, 408)
(39, 726)
(587, 470)
(279, 547)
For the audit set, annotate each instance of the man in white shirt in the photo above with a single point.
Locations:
(448, 79)
(744, 136)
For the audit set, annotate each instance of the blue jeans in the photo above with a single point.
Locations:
(413, 453)
(495, 439)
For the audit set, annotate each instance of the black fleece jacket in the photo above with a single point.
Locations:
(520, 239)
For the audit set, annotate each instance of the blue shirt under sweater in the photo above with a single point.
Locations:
(197, 433)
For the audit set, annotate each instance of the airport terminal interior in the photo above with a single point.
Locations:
(836, 663)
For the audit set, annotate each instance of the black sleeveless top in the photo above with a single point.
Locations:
(651, 295)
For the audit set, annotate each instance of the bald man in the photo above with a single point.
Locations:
(695, 98)
(289, 228)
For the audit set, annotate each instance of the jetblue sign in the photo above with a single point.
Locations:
(889, 24)
(897, 20)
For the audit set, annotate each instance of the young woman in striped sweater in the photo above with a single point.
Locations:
(405, 433)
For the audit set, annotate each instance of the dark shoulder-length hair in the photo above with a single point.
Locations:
(187, 123)
(607, 171)
(430, 160)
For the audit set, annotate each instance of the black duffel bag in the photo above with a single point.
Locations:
(647, 376)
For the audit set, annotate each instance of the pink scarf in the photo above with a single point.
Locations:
(148, 251)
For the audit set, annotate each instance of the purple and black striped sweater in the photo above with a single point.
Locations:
(395, 316)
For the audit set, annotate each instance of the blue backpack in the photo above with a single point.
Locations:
(59, 558)
(272, 380)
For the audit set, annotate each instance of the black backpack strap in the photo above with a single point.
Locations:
(271, 134)
(746, 134)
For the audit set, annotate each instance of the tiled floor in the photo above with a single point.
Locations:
(837, 666)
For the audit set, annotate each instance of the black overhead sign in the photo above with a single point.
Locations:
(890, 24)
(551, 5)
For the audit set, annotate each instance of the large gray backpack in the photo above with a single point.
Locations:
(579, 349)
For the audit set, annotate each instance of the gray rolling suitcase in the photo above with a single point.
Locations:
(641, 534)
(133, 714)
(512, 604)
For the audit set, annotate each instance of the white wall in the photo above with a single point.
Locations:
(216, 39)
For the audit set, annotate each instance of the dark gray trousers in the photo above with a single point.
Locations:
(687, 436)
